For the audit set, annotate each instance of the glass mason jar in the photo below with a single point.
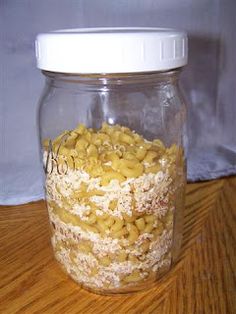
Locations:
(112, 129)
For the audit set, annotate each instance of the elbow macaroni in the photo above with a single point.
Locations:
(112, 155)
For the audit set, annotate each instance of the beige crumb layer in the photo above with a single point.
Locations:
(151, 193)
(79, 264)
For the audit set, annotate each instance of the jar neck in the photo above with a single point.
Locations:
(150, 78)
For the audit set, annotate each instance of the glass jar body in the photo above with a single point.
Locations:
(113, 154)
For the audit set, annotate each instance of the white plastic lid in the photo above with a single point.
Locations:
(111, 50)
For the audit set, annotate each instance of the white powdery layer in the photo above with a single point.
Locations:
(79, 267)
(101, 246)
(150, 192)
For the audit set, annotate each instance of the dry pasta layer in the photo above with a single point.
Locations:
(112, 152)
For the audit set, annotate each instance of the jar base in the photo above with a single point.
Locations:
(130, 289)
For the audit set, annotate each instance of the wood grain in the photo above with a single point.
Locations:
(203, 281)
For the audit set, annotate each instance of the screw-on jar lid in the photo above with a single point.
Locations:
(111, 50)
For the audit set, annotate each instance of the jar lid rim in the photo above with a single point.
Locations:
(111, 50)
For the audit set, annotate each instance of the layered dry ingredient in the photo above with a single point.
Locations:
(110, 197)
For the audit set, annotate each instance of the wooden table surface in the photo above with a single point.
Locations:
(202, 282)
